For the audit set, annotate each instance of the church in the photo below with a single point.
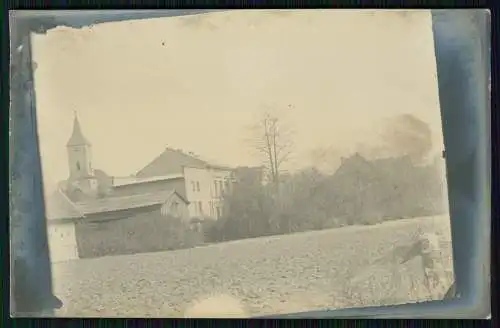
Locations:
(94, 214)
(202, 184)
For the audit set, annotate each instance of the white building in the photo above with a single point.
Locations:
(201, 183)
(205, 188)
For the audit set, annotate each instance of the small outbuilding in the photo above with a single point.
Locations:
(115, 225)
(132, 224)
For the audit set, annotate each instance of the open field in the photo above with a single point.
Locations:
(280, 274)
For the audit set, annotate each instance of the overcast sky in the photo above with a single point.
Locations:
(197, 83)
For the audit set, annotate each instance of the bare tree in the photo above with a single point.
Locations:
(273, 142)
(271, 139)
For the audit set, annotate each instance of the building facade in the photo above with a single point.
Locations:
(203, 184)
(205, 188)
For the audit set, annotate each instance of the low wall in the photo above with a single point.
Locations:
(139, 232)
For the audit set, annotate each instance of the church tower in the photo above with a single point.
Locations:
(81, 173)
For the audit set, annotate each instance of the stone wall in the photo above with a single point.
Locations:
(136, 231)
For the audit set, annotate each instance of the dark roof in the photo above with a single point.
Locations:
(59, 206)
(111, 204)
(172, 161)
(77, 138)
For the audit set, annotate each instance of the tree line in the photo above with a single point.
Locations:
(360, 191)
(311, 200)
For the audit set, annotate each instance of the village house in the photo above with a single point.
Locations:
(202, 184)
(94, 214)
(114, 225)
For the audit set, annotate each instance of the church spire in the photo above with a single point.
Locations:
(77, 138)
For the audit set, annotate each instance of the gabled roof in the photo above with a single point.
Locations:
(171, 161)
(77, 138)
(127, 181)
(112, 204)
(58, 206)
(355, 162)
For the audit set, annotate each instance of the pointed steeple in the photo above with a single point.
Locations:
(77, 138)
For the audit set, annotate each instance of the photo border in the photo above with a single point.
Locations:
(462, 46)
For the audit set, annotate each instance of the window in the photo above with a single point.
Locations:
(198, 185)
(200, 208)
(218, 188)
(193, 185)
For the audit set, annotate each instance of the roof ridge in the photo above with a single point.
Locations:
(128, 196)
(191, 154)
(111, 204)
(70, 202)
(164, 155)
(188, 153)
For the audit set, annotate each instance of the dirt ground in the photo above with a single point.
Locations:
(280, 274)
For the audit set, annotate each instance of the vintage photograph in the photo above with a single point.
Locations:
(243, 163)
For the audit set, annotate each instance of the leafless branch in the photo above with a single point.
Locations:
(272, 140)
